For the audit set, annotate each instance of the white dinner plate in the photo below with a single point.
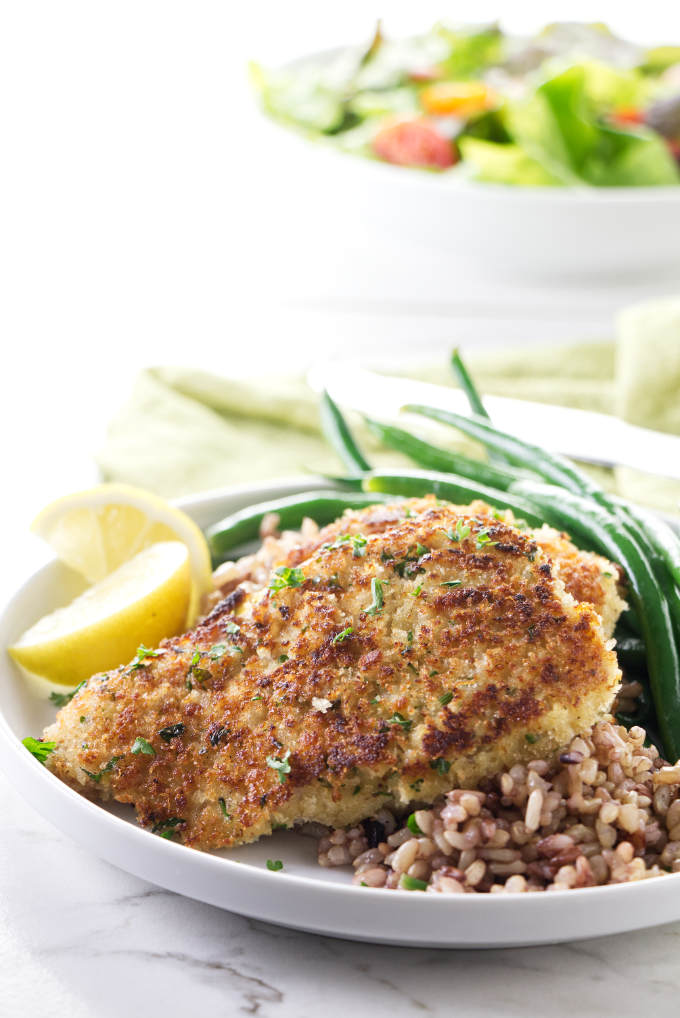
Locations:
(302, 895)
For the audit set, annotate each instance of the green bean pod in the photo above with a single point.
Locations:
(631, 652)
(415, 484)
(551, 467)
(434, 458)
(337, 431)
(244, 526)
(663, 539)
(467, 385)
(612, 538)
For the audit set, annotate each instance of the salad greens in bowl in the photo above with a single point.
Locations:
(572, 106)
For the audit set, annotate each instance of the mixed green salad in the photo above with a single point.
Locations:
(572, 105)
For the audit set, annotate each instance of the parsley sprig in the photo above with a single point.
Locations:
(39, 749)
(61, 699)
(341, 637)
(280, 764)
(378, 601)
(143, 655)
(171, 732)
(285, 576)
(141, 745)
(98, 775)
(459, 532)
(399, 719)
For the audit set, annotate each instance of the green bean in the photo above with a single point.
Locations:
(631, 652)
(663, 539)
(613, 539)
(553, 468)
(337, 431)
(434, 458)
(243, 526)
(449, 487)
(467, 385)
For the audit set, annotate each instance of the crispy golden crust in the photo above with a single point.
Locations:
(476, 655)
(586, 576)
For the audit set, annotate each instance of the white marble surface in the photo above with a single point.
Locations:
(79, 938)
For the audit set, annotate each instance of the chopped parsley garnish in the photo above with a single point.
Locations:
(378, 601)
(166, 828)
(282, 658)
(61, 699)
(376, 699)
(408, 883)
(274, 865)
(356, 789)
(445, 698)
(415, 785)
(105, 770)
(459, 532)
(223, 808)
(142, 656)
(195, 672)
(218, 734)
(280, 764)
(217, 651)
(258, 697)
(285, 576)
(440, 765)
(233, 629)
(531, 738)
(39, 749)
(409, 636)
(141, 745)
(171, 732)
(358, 542)
(451, 583)
(412, 824)
(422, 550)
(399, 719)
(341, 637)
(417, 592)
(483, 540)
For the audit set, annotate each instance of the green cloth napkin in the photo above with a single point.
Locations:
(184, 431)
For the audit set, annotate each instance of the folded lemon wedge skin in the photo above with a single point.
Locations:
(141, 602)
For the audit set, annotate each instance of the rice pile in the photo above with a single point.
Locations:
(606, 812)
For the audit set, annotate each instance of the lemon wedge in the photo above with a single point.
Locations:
(140, 602)
(96, 531)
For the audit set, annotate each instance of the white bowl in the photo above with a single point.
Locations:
(302, 895)
(582, 235)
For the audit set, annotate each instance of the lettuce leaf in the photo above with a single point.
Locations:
(560, 126)
(470, 52)
(504, 164)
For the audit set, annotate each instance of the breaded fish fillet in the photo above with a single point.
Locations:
(380, 667)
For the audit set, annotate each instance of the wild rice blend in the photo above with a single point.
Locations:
(607, 812)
